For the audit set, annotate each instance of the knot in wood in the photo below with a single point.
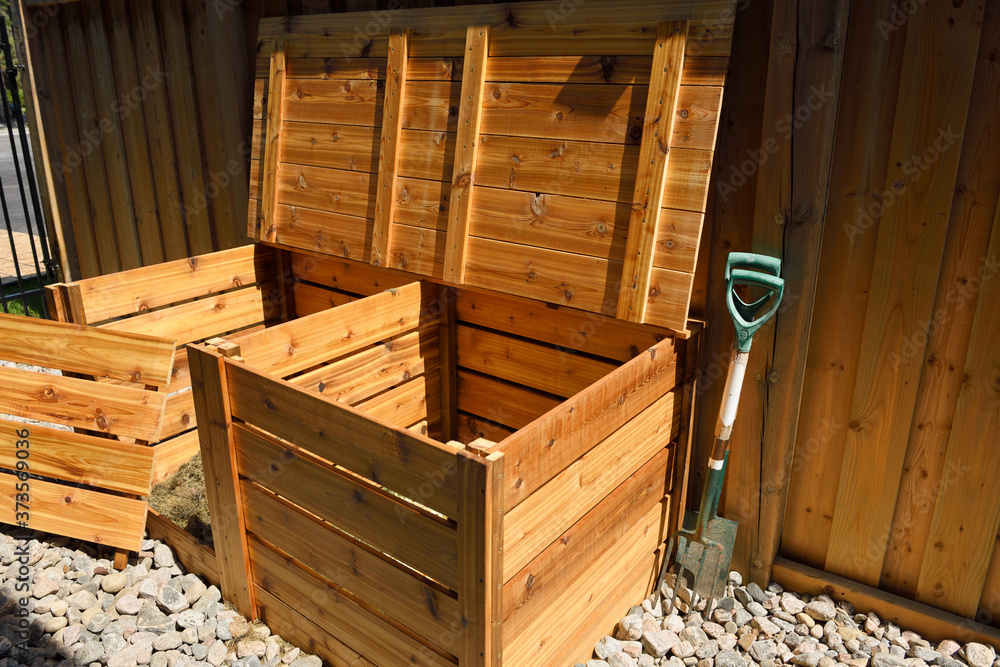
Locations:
(136, 376)
(683, 113)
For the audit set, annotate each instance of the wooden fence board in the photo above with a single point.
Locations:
(321, 231)
(415, 400)
(273, 142)
(390, 146)
(94, 406)
(75, 457)
(310, 299)
(76, 513)
(173, 453)
(943, 54)
(194, 556)
(369, 447)
(509, 404)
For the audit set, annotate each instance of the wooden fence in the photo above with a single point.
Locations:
(866, 444)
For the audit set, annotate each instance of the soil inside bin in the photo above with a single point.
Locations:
(181, 498)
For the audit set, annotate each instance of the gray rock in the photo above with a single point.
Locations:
(167, 641)
(132, 655)
(807, 659)
(756, 609)
(765, 626)
(113, 643)
(977, 655)
(82, 600)
(217, 653)
(683, 649)
(630, 627)
(156, 623)
(730, 659)
(307, 661)
(44, 586)
(113, 583)
(128, 605)
(694, 635)
(249, 661)
(707, 650)
(792, 604)
(756, 593)
(821, 610)
(657, 644)
(742, 596)
(171, 600)
(88, 653)
(163, 556)
(887, 660)
(191, 619)
(606, 646)
(735, 578)
(158, 660)
(763, 650)
(98, 622)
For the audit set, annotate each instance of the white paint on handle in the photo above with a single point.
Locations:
(731, 397)
(715, 465)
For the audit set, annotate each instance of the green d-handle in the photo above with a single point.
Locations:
(743, 268)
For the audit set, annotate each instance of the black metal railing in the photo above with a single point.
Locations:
(23, 292)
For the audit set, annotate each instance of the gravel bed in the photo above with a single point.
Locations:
(751, 627)
(79, 611)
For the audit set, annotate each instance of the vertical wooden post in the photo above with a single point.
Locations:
(222, 484)
(283, 265)
(463, 179)
(272, 145)
(651, 178)
(448, 356)
(389, 146)
(480, 557)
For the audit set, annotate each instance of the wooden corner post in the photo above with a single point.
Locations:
(651, 177)
(470, 113)
(389, 146)
(480, 557)
(272, 146)
(210, 385)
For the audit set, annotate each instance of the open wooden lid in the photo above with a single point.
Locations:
(555, 150)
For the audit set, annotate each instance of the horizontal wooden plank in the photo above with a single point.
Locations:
(399, 460)
(76, 457)
(349, 147)
(368, 372)
(94, 406)
(581, 226)
(302, 632)
(189, 552)
(544, 27)
(427, 154)
(540, 367)
(698, 70)
(354, 277)
(80, 349)
(567, 279)
(932, 624)
(631, 558)
(321, 231)
(669, 296)
(76, 513)
(564, 327)
(472, 428)
(426, 545)
(551, 443)
(413, 401)
(302, 343)
(432, 105)
(337, 615)
(138, 290)
(415, 602)
(580, 169)
(333, 190)
(309, 299)
(509, 404)
(553, 509)
(534, 587)
(351, 101)
(173, 453)
(608, 113)
(211, 316)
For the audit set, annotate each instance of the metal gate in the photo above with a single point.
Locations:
(29, 266)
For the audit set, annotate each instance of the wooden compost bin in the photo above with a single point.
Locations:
(354, 534)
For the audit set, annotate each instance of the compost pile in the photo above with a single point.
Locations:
(769, 628)
(81, 611)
